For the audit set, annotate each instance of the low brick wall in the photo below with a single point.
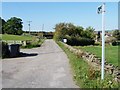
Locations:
(95, 61)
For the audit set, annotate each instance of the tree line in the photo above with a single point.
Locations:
(75, 35)
(11, 26)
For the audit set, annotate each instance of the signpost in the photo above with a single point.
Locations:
(65, 40)
(101, 9)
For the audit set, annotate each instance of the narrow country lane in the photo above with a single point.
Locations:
(43, 67)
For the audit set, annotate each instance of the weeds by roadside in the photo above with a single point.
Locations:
(34, 44)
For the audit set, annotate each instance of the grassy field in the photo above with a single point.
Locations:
(15, 37)
(111, 52)
(35, 42)
(84, 75)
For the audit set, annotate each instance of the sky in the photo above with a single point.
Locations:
(51, 13)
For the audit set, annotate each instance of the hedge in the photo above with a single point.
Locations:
(73, 41)
(116, 43)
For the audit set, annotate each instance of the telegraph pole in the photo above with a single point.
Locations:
(42, 30)
(42, 27)
(29, 25)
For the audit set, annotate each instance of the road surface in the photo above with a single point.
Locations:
(43, 67)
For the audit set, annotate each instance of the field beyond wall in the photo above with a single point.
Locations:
(111, 52)
(15, 37)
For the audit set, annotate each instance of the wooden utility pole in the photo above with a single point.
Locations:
(29, 25)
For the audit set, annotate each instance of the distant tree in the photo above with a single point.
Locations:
(75, 31)
(13, 26)
(70, 29)
(63, 30)
(99, 36)
(89, 33)
(2, 23)
(78, 31)
(60, 31)
(116, 34)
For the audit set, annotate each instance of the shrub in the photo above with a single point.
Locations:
(73, 41)
(115, 43)
(34, 44)
(30, 46)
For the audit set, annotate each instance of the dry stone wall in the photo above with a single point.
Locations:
(95, 61)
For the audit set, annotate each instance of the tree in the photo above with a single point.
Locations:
(13, 26)
(2, 23)
(79, 31)
(71, 29)
(89, 33)
(66, 30)
(60, 31)
(99, 36)
(116, 34)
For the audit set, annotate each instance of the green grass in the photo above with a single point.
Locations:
(15, 37)
(34, 43)
(84, 75)
(111, 52)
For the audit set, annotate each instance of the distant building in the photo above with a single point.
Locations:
(108, 33)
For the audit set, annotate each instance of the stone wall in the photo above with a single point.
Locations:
(23, 43)
(95, 61)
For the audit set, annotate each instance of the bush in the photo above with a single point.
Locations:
(30, 46)
(33, 44)
(115, 43)
(73, 41)
(5, 50)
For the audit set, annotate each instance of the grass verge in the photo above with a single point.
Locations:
(84, 75)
